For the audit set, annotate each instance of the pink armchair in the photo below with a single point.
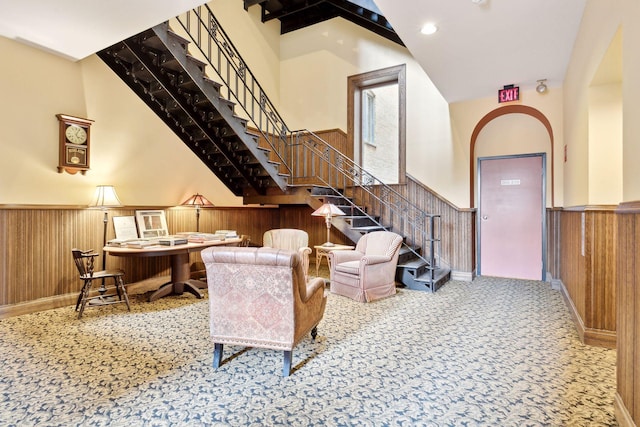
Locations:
(258, 297)
(368, 272)
(291, 239)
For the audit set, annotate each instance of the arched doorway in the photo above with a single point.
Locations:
(509, 109)
(509, 190)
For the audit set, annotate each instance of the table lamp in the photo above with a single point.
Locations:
(199, 201)
(328, 211)
(104, 198)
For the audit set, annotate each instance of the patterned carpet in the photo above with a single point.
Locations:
(492, 352)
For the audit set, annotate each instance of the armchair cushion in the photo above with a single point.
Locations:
(368, 272)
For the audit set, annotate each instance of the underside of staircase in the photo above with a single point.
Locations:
(156, 65)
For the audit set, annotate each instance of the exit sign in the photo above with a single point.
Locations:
(508, 94)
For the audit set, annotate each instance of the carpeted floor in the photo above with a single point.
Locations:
(492, 352)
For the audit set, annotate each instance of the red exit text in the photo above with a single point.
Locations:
(509, 94)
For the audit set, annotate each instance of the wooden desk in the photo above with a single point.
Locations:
(180, 271)
(323, 251)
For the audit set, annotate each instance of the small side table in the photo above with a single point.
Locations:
(323, 251)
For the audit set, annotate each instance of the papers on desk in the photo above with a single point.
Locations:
(118, 242)
(141, 243)
(133, 243)
(197, 237)
(194, 237)
(228, 234)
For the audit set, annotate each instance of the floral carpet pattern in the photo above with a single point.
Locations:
(492, 352)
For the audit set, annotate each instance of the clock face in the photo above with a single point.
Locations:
(76, 134)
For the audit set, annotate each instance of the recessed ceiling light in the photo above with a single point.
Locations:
(429, 28)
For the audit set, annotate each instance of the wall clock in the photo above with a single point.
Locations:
(75, 139)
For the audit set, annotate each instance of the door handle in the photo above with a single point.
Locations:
(485, 217)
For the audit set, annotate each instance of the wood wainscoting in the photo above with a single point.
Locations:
(588, 271)
(37, 270)
(458, 227)
(627, 400)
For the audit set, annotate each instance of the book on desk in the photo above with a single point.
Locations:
(197, 237)
(173, 241)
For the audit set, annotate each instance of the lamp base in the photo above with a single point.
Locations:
(328, 244)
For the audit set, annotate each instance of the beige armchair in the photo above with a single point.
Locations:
(368, 272)
(258, 297)
(291, 239)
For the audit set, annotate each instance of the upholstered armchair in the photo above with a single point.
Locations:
(368, 272)
(258, 297)
(291, 239)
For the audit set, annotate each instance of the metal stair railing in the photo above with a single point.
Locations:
(316, 158)
(302, 153)
(240, 83)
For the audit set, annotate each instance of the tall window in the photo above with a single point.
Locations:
(368, 117)
(376, 123)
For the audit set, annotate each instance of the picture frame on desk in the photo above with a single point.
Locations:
(125, 227)
(151, 223)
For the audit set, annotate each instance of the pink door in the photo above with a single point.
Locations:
(511, 217)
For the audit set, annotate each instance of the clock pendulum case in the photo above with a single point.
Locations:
(75, 140)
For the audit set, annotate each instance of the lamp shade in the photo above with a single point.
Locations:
(197, 200)
(328, 209)
(105, 197)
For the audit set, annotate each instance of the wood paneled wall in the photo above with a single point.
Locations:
(37, 271)
(554, 217)
(458, 247)
(588, 271)
(627, 400)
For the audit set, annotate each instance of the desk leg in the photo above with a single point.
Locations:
(180, 281)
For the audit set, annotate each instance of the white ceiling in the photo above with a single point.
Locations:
(76, 29)
(478, 49)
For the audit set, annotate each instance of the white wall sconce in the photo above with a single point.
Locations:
(542, 86)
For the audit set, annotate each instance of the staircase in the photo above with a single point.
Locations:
(156, 65)
(252, 153)
(373, 207)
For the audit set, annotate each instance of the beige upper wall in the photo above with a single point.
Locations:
(131, 147)
(35, 86)
(600, 23)
(512, 134)
(631, 94)
(305, 73)
(315, 64)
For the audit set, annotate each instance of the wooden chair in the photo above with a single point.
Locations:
(245, 240)
(84, 263)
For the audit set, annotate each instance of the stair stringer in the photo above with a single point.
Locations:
(197, 74)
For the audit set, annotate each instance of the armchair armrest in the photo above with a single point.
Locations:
(341, 256)
(374, 259)
(304, 253)
(308, 289)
